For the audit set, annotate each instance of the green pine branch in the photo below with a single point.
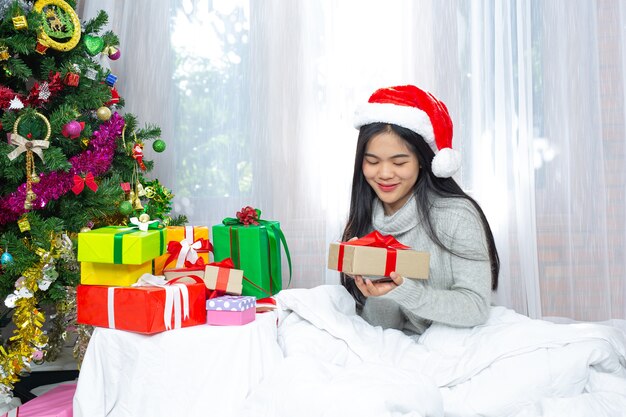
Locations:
(18, 68)
(94, 25)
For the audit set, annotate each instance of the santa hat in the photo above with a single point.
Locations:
(419, 111)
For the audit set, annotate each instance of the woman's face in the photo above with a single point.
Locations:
(391, 169)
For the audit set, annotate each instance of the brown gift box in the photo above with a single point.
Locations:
(367, 260)
(228, 280)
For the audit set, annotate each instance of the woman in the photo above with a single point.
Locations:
(402, 186)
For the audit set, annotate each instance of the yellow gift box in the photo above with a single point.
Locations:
(111, 274)
(178, 233)
(121, 245)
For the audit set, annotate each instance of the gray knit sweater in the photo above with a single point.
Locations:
(458, 290)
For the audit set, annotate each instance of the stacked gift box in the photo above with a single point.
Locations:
(112, 260)
(118, 255)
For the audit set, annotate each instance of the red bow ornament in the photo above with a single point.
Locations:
(80, 182)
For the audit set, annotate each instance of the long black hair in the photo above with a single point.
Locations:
(361, 201)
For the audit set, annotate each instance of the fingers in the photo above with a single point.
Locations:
(375, 289)
(360, 283)
(397, 278)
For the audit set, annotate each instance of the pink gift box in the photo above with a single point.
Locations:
(55, 403)
(231, 310)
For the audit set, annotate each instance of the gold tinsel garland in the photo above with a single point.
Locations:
(28, 337)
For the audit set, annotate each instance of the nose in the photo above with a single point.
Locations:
(385, 171)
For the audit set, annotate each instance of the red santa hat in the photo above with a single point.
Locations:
(419, 111)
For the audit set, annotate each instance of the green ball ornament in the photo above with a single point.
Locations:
(158, 145)
(126, 208)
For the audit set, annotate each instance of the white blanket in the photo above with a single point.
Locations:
(338, 365)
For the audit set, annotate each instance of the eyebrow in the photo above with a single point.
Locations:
(400, 155)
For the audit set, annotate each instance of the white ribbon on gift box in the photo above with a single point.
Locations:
(188, 252)
(143, 226)
(173, 294)
(189, 233)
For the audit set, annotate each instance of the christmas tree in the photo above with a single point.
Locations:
(71, 161)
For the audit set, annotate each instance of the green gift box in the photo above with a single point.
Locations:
(255, 249)
(121, 245)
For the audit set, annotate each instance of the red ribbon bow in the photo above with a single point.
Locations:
(199, 264)
(376, 240)
(248, 215)
(174, 248)
(80, 182)
(226, 263)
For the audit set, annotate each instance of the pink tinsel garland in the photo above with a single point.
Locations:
(96, 159)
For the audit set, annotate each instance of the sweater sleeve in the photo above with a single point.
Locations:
(466, 302)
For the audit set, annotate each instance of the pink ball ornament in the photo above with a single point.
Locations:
(72, 129)
(114, 53)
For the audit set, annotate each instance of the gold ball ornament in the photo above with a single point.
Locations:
(144, 218)
(103, 113)
(85, 229)
(34, 178)
(53, 25)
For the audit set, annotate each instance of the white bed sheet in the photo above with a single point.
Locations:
(190, 372)
(336, 364)
(324, 360)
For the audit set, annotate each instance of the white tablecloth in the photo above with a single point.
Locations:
(195, 371)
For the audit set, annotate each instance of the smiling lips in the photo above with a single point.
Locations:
(387, 187)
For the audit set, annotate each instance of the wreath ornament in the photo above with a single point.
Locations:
(60, 29)
(32, 148)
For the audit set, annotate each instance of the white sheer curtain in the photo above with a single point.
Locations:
(255, 100)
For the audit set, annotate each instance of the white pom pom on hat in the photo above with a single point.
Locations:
(419, 111)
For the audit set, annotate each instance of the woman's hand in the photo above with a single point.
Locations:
(376, 289)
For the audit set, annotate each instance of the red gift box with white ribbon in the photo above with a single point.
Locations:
(153, 307)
